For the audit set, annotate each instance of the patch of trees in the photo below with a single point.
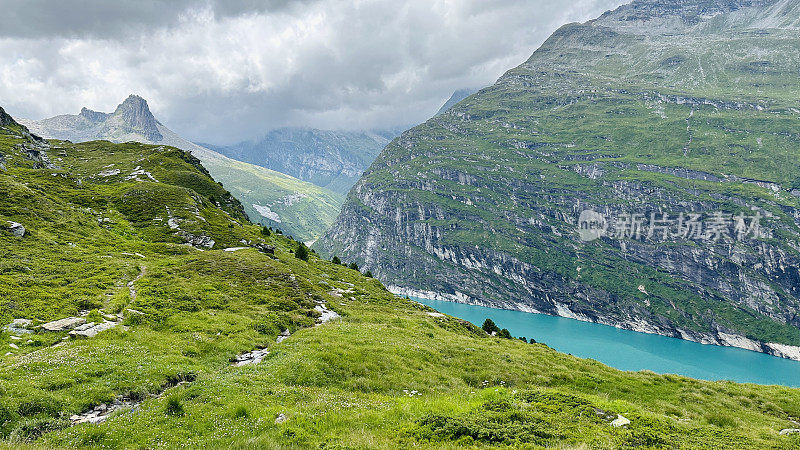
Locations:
(492, 329)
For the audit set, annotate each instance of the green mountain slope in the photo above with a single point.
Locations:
(660, 107)
(387, 373)
(300, 209)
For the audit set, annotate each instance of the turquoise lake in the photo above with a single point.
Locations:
(630, 350)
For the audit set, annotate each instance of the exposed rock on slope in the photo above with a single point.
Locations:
(657, 109)
(5, 119)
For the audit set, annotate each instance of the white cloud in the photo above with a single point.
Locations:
(229, 71)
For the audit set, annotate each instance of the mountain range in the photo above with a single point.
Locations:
(639, 170)
(330, 159)
(275, 199)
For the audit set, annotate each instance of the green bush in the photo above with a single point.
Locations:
(241, 412)
(490, 327)
(174, 407)
(94, 316)
(302, 252)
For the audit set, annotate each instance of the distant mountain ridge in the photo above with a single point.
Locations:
(269, 197)
(328, 158)
(457, 96)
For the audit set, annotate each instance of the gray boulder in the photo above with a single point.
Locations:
(16, 229)
(90, 330)
(64, 324)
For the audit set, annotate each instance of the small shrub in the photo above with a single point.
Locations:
(94, 316)
(241, 412)
(353, 266)
(265, 231)
(302, 252)
(505, 334)
(174, 407)
(368, 274)
(336, 260)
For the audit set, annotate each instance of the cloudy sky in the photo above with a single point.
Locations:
(229, 70)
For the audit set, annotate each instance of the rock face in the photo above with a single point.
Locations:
(638, 120)
(330, 159)
(135, 114)
(5, 119)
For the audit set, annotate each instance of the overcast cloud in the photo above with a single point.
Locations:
(224, 71)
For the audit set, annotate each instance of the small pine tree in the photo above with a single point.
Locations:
(265, 231)
(505, 334)
(523, 339)
(368, 274)
(490, 327)
(353, 266)
(302, 252)
(336, 260)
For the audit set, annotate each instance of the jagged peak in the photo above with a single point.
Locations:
(135, 113)
(135, 106)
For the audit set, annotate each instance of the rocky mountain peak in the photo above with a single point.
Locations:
(135, 114)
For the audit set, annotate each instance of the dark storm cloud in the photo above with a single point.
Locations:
(224, 71)
(114, 19)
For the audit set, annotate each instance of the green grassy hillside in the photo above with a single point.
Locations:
(388, 373)
(301, 209)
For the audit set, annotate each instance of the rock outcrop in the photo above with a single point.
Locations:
(5, 119)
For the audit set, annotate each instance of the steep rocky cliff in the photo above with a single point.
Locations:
(639, 170)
